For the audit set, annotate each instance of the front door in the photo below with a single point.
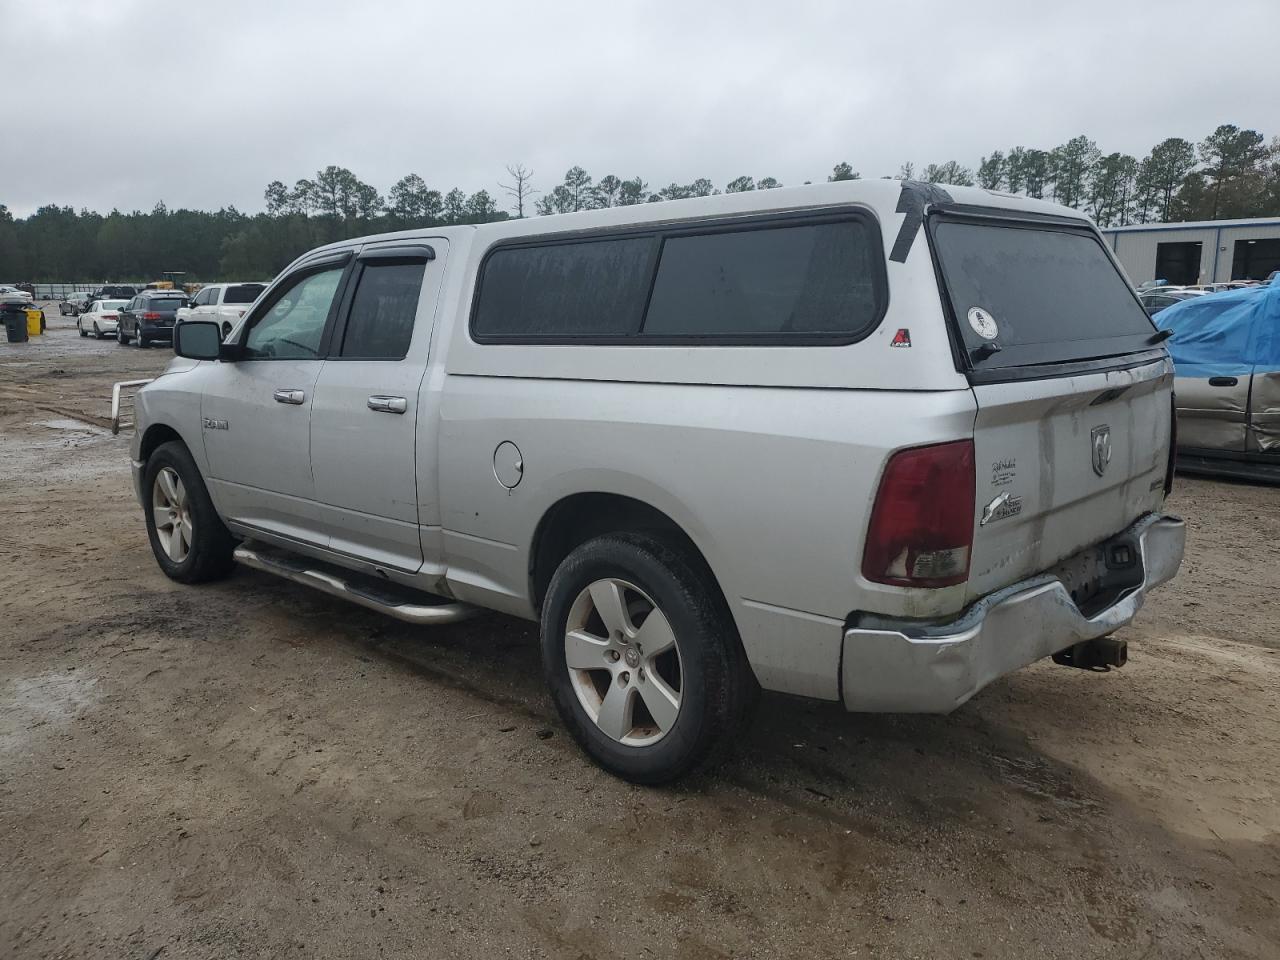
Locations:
(363, 421)
(256, 411)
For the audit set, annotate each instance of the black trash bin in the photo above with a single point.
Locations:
(15, 322)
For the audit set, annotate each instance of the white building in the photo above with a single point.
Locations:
(1209, 251)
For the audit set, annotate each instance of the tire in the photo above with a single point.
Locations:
(143, 342)
(81, 329)
(210, 545)
(98, 333)
(120, 337)
(716, 689)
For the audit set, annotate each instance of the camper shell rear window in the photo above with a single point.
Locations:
(1030, 293)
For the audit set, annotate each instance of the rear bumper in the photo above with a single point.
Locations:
(906, 667)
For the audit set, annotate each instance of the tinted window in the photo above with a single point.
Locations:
(1049, 295)
(585, 289)
(204, 297)
(380, 323)
(162, 304)
(242, 293)
(292, 328)
(814, 279)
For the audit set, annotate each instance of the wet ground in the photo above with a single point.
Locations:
(251, 769)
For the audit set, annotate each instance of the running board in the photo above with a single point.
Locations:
(403, 603)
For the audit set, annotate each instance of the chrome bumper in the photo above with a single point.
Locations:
(913, 668)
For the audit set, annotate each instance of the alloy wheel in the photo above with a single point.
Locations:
(172, 515)
(624, 662)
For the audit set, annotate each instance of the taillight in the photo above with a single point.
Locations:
(152, 316)
(921, 530)
(108, 316)
(1173, 444)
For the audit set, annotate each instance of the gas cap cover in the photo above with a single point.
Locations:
(508, 464)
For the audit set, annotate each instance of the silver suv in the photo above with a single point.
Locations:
(870, 442)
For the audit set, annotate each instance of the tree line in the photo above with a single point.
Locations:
(1233, 172)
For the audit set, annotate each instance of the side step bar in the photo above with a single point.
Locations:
(403, 603)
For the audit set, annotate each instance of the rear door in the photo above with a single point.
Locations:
(1071, 437)
(363, 423)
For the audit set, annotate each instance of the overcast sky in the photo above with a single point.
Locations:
(201, 103)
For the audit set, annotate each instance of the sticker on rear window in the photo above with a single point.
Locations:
(984, 325)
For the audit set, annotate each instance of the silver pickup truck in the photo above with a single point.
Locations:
(874, 442)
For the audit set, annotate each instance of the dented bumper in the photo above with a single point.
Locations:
(912, 667)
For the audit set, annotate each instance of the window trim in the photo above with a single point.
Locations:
(344, 261)
(704, 227)
(381, 256)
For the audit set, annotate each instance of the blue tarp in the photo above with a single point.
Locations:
(1228, 334)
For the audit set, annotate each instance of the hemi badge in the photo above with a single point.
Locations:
(211, 424)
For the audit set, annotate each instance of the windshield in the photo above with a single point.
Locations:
(1041, 294)
(243, 293)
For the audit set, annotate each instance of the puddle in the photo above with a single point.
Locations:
(78, 425)
(37, 706)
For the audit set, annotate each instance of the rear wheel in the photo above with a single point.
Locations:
(120, 337)
(642, 658)
(143, 342)
(80, 327)
(190, 542)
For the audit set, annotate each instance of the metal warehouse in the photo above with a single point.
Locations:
(1209, 251)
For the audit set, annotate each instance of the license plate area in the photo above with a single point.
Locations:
(1102, 574)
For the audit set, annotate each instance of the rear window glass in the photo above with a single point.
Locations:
(380, 324)
(243, 293)
(165, 303)
(812, 279)
(581, 289)
(1042, 295)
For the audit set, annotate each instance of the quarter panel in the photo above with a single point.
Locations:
(772, 485)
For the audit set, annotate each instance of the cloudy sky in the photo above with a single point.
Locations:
(200, 103)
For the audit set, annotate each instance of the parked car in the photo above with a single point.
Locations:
(69, 305)
(10, 289)
(114, 291)
(773, 439)
(224, 302)
(149, 317)
(1158, 298)
(101, 319)
(1227, 362)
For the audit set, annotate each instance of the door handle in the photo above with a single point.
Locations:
(388, 404)
(290, 396)
(1223, 381)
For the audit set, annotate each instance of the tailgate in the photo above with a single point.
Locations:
(1071, 437)
(1064, 463)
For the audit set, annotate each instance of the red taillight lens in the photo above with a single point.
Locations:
(108, 316)
(151, 316)
(921, 531)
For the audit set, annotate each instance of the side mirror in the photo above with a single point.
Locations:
(197, 339)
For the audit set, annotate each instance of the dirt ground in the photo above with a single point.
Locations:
(251, 769)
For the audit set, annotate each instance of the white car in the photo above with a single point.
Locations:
(8, 290)
(100, 319)
(225, 303)
(872, 442)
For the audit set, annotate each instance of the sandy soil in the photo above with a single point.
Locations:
(251, 769)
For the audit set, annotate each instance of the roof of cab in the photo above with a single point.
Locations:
(881, 196)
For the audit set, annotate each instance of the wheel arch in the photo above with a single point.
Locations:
(578, 517)
(157, 434)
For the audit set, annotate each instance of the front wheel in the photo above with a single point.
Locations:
(190, 542)
(642, 658)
